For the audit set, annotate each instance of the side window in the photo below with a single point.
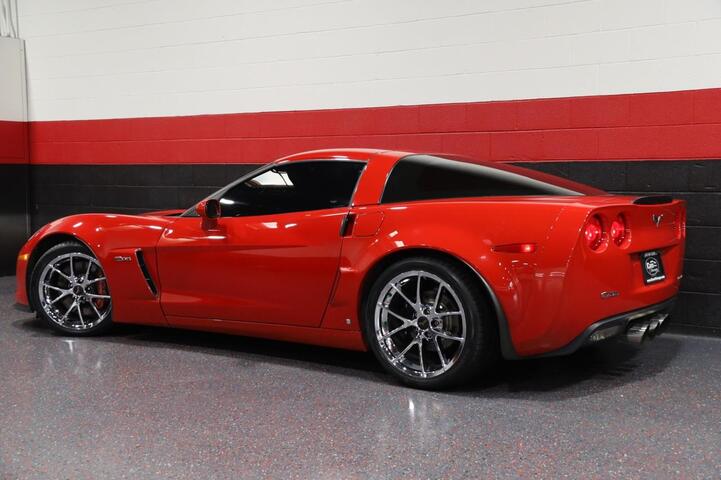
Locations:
(293, 187)
(426, 177)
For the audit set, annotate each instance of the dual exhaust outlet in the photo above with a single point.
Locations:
(642, 330)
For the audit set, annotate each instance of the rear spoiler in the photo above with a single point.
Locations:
(653, 200)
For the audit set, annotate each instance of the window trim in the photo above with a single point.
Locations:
(265, 168)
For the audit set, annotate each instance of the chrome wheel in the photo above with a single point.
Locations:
(420, 324)
(73, 291)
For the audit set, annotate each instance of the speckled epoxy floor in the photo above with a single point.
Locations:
(156, 403)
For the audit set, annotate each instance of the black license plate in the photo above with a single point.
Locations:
(652, 266)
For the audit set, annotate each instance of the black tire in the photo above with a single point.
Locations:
(479, 352)
(34, 293)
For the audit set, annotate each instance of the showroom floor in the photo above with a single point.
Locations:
(156, 403)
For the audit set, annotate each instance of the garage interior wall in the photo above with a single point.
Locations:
(14, 169)
(148, 105)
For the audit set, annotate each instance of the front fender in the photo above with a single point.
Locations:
(108, 236)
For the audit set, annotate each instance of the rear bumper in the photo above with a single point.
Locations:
(612, 327)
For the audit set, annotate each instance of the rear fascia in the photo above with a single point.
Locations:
(605, 283)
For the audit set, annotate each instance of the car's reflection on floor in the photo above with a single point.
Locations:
(168, 403)
(608, 365)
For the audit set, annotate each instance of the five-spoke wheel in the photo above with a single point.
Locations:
(70, 291)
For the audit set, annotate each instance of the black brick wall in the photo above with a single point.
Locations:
(59, 190)
(13, 214)
(62, 190)
(697, 182)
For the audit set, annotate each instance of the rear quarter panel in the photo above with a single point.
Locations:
(467, 230)
(548, 297)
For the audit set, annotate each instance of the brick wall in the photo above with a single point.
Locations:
(116, 85)
(91, 59)
(60, 190)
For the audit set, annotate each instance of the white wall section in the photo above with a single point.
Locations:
(134, 58)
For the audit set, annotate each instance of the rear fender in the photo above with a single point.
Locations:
(466, 231)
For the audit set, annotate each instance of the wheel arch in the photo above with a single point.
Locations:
(45, 244)
(484, 287)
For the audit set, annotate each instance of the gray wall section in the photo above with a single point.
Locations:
(62, 190)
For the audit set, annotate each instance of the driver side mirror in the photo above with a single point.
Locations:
(208, 209)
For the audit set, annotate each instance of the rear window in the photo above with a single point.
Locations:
(425, 177)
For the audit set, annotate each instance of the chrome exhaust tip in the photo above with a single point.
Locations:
(636, 333)
(662, 323)
(646, 329)
(653, 324)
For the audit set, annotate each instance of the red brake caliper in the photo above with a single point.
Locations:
(102, 290)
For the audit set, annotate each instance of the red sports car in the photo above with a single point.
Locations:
(435, 264)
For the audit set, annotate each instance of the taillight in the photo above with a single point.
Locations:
(619, 230)
(593, 232)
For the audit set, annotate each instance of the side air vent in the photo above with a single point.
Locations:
(653, 200)
(146, 274)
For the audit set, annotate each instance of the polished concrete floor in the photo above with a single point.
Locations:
(156, 403)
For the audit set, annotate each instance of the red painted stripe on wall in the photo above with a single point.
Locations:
(668, 125)
(13, 142)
